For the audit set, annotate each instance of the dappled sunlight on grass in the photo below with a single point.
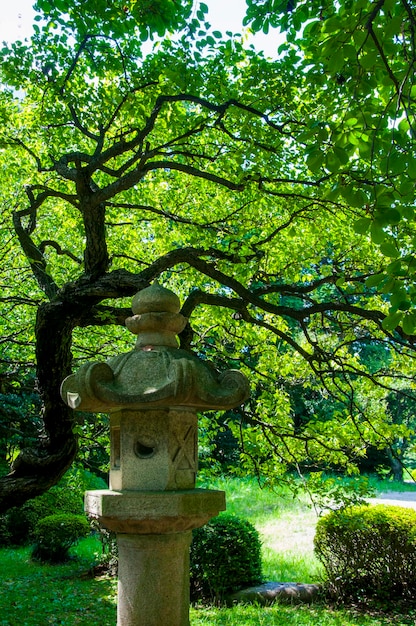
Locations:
(291, 567)
(246, 498)
(286, 526)
(280, 615)
(67, 595)
(36, 595)
(288, 554)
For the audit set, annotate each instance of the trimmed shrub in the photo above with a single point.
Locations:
(20, 522)
(56, 534)
(368, 551)
(17, 526)
(225, 557)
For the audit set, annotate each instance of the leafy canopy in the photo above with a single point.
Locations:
(274, 196)
(362, 55)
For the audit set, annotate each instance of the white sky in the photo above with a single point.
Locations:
(16, 18)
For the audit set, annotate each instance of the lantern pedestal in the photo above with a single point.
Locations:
(154, 532)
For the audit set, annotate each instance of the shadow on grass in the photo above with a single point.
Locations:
(64, 595)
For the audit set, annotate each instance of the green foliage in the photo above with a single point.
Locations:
(42, 593)
(363, 52)
(148, 17)
(108, 559)
(19, 415)
(66, 594)
(218, 447)
(335, 491)
(69, 595)
(275, 196)
(368, 551)
(17, 526)
(55, 534)
(225, 556)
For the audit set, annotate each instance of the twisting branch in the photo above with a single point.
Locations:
(78, 124)
(121, 147)
(58, 250)
(19, 142)
(35, 257)
(83, 45)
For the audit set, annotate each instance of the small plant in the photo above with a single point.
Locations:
(108, 560)
(368, 551)
(56, 534)
(225, 556)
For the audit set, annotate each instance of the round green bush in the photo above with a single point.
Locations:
(17, 525)
(225, 556)
(368, 551)
(56, 534)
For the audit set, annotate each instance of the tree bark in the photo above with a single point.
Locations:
(96, 258)
(396, 467)
(37, 469)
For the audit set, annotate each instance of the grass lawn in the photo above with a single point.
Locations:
(286, 526)
(60, 595)
(65, 595)
(279, 615)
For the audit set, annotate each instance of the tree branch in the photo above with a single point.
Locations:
(35, 258)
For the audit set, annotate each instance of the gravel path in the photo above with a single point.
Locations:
(398, 498)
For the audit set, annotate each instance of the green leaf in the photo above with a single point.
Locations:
(399, 300)
(409, 323)
(315, 160)
(362, 225)
(404, 305)
(395, 268)
(374, 280)
(389, 249)
(335, 63)
(331, 25)
(351, 121)
(332, 162)
(391, 321)
(357, 198)
(342, 155)
(411, 168)
(377, 233)
(386, 216)
(397, 162)
(368, 60)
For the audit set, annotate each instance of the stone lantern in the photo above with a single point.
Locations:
(152, 394)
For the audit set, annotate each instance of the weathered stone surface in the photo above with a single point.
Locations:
(155, 376)
(153, 579)
(271, 592)
(156, 373)
(152, 450)
(156, 512)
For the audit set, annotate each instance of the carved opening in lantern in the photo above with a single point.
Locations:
(143, 451)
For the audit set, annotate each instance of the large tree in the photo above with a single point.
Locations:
(242, 183)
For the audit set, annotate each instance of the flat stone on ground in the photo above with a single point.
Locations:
(270, 592)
